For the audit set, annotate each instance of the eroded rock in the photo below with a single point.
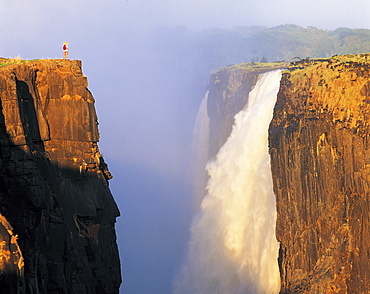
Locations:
(54, 182)
(320, 154)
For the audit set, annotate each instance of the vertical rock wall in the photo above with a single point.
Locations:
(228, 94)
(320, 157)
(54, 195)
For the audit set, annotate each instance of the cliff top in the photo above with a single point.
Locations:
(256, 67)
(261, 67)
(345, 77)
(54, 86)
(337, 59)
(5, 62)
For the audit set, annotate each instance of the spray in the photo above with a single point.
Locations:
(233, 249)
(200, 147)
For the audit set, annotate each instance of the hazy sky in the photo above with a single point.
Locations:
(145, 98)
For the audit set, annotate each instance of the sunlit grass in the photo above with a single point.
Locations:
(258, 66)
(15, 60)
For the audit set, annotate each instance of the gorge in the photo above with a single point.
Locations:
(318, 148)
(57, 231)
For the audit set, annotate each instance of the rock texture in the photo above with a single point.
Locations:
(228, 94)
(57, 217)
(320, 156)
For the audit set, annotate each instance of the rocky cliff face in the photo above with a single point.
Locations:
(228, 94)
(319, 142)
(57, 213)
(320, 157)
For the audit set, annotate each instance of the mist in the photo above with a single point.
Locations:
(232, 247)
(146, 70)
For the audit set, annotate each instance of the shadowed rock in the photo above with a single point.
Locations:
(54, 190)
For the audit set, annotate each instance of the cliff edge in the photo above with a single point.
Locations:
(228, 94)
(57, 214)
(319, 142)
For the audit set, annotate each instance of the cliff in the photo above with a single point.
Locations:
(228, 94)
(319, 142)
(57, 213)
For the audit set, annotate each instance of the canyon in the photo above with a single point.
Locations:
(57, 214)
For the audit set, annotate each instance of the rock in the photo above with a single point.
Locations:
(54, 192)
(319, 142)
(320, 151)
(228, 94)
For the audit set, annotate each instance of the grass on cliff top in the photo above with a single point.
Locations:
(263, 67)
(360, 58)
(311, 66)
(337, 85)
(15, 60)
(336, 59)
(257, 66)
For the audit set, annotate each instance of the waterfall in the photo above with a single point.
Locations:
(233, 249)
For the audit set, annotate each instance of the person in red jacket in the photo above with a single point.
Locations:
(65, 50)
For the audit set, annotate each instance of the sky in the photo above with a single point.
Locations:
(147, 92)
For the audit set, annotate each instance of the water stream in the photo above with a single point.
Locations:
(233, 249)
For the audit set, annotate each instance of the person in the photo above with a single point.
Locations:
(65, 50)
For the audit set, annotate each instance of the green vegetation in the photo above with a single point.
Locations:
(221, 47)
(339, 84)
(15, 60)
(337, 59)
(316, 67)
(359, 58)
(249, 67)
(5, 62)
(259, 66)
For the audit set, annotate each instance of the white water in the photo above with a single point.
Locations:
(232, 247)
